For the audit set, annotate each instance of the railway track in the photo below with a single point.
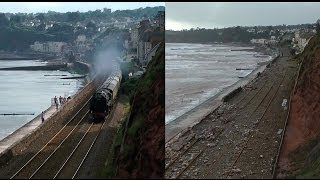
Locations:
(75, 139)
(68, 170)
(190, 149)
(263, 110)
(275, 165)
(49, 148)
(182, 161)
(59, 158)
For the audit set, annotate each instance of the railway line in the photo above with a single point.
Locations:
(184, 162)
(62, 152)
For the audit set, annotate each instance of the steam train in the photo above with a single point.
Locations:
(103, 100)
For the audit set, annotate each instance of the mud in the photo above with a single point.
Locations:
(303, 122)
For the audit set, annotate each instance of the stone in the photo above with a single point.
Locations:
(261, 156)
(279, 131)
(238, 170)
(220, 111)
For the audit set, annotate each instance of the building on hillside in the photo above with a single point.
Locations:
(134, 37)
(143, 44)
(251, 30)
(160, 17)
(258, 41)
(150, 55)
(49, 47)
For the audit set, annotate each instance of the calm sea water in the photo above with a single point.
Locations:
(30, 92)
(196, 72)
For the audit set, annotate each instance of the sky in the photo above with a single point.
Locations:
(35, 7)
(211, 15)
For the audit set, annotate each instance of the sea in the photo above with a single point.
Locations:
(30, 92)
(197, 72)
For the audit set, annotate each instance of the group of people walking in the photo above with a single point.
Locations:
(61, 101)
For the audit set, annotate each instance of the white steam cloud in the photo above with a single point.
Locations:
(104, 60)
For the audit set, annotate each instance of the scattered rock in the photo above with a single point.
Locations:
(261, 156)
(238, 170)
(279, 131)
(220, 111)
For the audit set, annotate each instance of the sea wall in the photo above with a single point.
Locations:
(53, 124)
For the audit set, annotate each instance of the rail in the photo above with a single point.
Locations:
(286, 122)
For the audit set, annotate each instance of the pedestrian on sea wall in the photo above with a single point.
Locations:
(56, 101)
(60, 100)
(42, 116)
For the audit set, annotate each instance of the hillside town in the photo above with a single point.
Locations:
(75, 36)
(139, 43)
(299, 37)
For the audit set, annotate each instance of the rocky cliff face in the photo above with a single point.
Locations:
(142, 151)
(303, 123)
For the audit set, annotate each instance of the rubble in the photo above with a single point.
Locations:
(238, 170)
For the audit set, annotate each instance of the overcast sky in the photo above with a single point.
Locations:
(188, 15)
(34, 7)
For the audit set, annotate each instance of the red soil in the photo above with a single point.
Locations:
(303, 123)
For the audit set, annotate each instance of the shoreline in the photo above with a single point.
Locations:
(255, 48)
(190, 118)
(83, 82)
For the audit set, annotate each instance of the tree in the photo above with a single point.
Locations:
(3, 20)
(15, 19)
(91, 26)
(73, 16)
(318, 27)
(41, 27)
(40, 17)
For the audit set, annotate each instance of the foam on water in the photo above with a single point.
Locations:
(197, 72)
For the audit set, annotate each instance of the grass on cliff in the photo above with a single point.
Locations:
(306, 159)
(140, 86)
(109, 170)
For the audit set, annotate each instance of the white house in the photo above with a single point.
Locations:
(258, 41)
(134, 37)
(50, 46)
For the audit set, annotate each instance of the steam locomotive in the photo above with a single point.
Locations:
(103, 100)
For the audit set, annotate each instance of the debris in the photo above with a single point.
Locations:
(220, 111)
(279, 131)
(238, 170)
(284, 104)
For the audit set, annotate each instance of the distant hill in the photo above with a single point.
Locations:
(18, 31)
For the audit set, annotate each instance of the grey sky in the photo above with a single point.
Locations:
(34, 7)
(188, 15)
